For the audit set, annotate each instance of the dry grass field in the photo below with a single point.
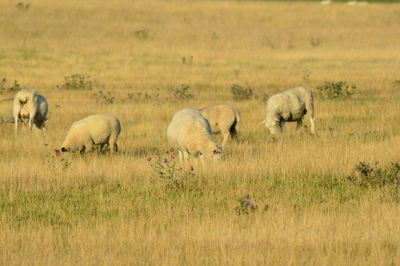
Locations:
(314, 208)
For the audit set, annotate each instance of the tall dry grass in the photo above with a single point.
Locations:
(102, 209)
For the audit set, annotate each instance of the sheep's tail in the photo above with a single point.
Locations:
(7, 99)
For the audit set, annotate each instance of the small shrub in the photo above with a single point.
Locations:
(104, 97)
(306, 75)
(77, 82)
(241, 93)
(396, 84)
(55, 162)
(139, 96)
(246, 206)
(166, 169)
(13, 88)
(315, 41)
(181, 93)
(142, 34)
(335, 90)
(187, 60)
(368, 175)
(23, 6)
(264, 97)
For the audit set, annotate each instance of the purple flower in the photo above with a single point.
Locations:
(165, 161)
(397, 181)
(148, 159)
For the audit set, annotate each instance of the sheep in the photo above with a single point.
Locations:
(222, 118)
(95, 129)
(28, 104)
(190, 133)
(289, 106)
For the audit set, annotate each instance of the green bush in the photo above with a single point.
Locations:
(241, 93)
(181, 93)
(372, 175)
(13, 88)
(335, 90)
(77, 82)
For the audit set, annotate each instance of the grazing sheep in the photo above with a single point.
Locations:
(94, 129)
(28, 104)
(289, 106)
(222, 118)
(190, 133)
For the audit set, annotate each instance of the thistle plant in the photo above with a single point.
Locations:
(246, 206)
(166, 168)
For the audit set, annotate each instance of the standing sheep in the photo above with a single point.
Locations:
(222, 118)
(190, 133)
(28, 104)
(95, 129)
(289, 106)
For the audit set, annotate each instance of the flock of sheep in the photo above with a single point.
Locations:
(190, 130)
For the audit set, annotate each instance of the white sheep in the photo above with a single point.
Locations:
(289, 106)
(222, 118)
(28, 104)
(190, 133)
(95, 129)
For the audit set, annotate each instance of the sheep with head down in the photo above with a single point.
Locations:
(31, 106)
(99, 129)
(289, 106)
(222, 118)
(190, 133)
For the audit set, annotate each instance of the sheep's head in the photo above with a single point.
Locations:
(273, 125)
(60, 151)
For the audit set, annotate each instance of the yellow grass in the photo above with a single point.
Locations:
(115, 210)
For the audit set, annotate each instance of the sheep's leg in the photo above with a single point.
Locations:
(30, 123)
(180, 154)
(89, 145)
(102, 147)
(233, 131)
(312, 121)
(16, 124)
(115, 147)
(83, 149)
(225, 138)
(112, 142)
(281, 125)
(185, 155)
(299, 124)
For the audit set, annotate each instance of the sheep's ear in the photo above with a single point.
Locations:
(64, 149)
